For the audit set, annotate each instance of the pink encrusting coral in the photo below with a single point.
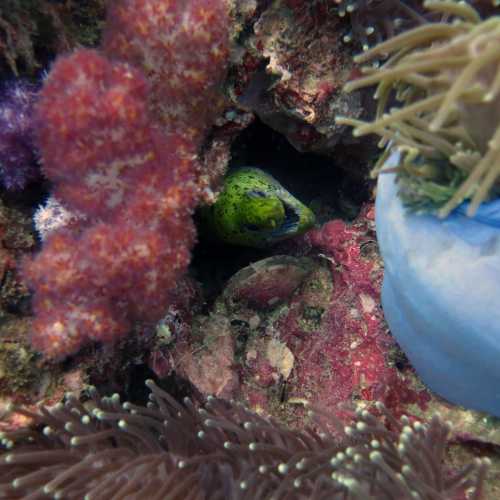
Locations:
(334, 328)
(349, 359)
(132, 177)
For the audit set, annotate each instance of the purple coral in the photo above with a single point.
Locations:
(18, 159)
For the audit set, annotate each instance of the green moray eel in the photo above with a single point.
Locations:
(255, 210)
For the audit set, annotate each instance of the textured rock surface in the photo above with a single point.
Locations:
(292, 70)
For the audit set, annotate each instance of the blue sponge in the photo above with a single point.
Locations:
(441, 295)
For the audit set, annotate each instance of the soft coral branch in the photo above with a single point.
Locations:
(182, 47)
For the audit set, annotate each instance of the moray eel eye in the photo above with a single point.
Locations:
(256, 194)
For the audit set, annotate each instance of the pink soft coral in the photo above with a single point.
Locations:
(132, 173)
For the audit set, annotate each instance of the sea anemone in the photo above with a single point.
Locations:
(447, 76)
(105, 449)
(373, 21)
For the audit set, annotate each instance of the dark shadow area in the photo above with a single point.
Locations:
(29, 198)
(138, 392)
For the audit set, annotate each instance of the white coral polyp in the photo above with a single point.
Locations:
(52, 216)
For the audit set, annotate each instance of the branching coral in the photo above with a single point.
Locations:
(107, 449)
(447, 76)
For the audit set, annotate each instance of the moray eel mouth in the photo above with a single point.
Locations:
(291, 223)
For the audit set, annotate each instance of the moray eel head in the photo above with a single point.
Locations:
(255, 210)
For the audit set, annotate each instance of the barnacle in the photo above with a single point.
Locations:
(104, 449)
(447, 76)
